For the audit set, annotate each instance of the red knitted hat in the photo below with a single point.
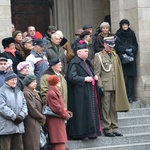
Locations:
(53, 80)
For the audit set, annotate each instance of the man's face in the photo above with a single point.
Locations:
(31, 31)
(83, 54)
(12, 82)
(3, 65)
(56, 40)
(108, 48)
(51, 32)
(57, 67)
(39, 49)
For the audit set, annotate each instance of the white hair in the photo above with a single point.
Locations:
(103, 24)
(60, 33)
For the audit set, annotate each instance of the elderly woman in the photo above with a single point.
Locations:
(31, 137)
(11, 52)
(105, 32)
(23, 70)
(55, 124)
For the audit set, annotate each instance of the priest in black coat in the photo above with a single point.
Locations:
(82, 97)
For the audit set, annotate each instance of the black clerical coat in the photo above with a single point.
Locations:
(82, 100)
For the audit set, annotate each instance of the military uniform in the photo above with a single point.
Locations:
(108, 69)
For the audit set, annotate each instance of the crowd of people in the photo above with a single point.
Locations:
(85, 83)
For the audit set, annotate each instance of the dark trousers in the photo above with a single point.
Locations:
(13, 142)
(129, 81)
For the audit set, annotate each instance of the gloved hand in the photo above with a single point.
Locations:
(18, 119)
(101, 92)
(129, 51)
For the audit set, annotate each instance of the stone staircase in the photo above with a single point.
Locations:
(135, 126)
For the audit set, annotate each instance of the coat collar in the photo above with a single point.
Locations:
(81, 62)
(55, 90)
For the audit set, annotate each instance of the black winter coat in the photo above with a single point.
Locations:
(16, 60)
(81, 101)
(127, 39)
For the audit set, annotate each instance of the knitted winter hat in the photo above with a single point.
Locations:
(15, 33)
(124, 21)
(10, 75)
(28, 79)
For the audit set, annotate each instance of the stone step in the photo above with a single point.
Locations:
(110, 141)
(134, 129)
(126, 121)
(135, 112)
(134, 146)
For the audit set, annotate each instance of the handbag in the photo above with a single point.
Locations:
(48, 112)
(43, 138)
(126, 59)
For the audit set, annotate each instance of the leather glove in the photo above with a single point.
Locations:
(129, 51)
(101, 92)
(18, 119)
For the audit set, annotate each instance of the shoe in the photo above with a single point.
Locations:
(92, 137)
(110, 134)
(118, 134)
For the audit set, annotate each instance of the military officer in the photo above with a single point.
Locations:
(111, 85)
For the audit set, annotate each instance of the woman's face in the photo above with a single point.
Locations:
(33, 84)
(105, 30)
(28, 45)
(125, 26)
(25, 70)
(18, 37)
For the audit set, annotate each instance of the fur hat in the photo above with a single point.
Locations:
(124, 21)
(81, 45)
(15, 33)
(53, 80)
(84, 33)
(87, 26)
(7, 41)
(54, 61)
(21, 65)
(28, 79)
(10, 75)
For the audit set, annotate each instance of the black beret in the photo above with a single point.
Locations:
(54, 61)
(124, 21)
(87, 26)
(7, 41)
(81, 45)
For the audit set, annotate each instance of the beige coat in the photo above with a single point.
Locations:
(110, 77)
(44, 86)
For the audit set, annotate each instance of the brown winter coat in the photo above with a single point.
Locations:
(56, 126)
(31, 137)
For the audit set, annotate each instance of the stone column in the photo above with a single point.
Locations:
(138, 13)
(5, 20)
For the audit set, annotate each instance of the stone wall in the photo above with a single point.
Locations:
(5, 20)
(138, 13)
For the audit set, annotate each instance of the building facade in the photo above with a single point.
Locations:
(69, 15)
